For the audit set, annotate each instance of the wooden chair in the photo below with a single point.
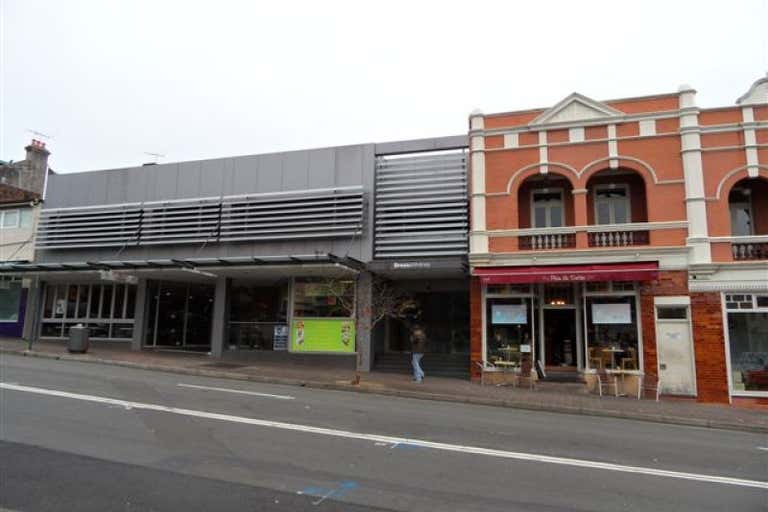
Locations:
(648, 382)
(595, 358)
(607, 380)
(629, 363)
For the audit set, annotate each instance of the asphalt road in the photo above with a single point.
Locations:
(77, 436)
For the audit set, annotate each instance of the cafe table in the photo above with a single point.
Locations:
(613, 351)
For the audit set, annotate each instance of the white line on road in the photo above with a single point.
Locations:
(238, 391)
(530, 457)
(764, 448)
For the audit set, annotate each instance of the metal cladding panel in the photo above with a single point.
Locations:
(421, 205)
(308, 214)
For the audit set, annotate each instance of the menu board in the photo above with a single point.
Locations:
(509, 314)
(611, 314)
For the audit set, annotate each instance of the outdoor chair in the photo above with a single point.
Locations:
(648, 382)
(607, 380)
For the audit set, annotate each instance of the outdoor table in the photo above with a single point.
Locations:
(621, 373)
(613, 351)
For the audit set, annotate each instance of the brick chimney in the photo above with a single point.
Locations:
(35, 167)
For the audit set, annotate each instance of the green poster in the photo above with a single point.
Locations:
(322, 335)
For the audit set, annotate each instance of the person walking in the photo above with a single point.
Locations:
(418, 347)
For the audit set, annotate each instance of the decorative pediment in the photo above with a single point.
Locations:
(756, 94)
(575, 107)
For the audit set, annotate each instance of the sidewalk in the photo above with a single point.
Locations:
(681, 412)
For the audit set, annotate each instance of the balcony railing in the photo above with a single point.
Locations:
(618, 238)
(749, 249)
(596, 237)
(547, 241)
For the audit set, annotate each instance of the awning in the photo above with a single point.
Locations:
(640, 271)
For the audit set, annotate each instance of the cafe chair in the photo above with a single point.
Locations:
(630, 362)
(595, 358)
(607, 380)
(485, 367)
(648, 382)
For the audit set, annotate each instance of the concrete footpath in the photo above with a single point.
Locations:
(681, 412)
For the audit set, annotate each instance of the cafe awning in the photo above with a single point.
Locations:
(638, 271)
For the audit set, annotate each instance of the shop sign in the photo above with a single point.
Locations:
(411, 265)
(109, 275)
(280, 337)
(323, 335)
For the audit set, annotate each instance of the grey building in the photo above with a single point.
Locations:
(273, 255)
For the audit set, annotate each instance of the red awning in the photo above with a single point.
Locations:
(643, 271)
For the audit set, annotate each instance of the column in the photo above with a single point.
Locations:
(33, 311)
(140, 315)
(219, 320)
(478, 241)
(363, 338)
(696, 207)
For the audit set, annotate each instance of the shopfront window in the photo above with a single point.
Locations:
(748, 341)
(256, 314)
(612, 332)
(323, 311)
(320, 298)
(66, 305)
(10, 300)
(509, 329)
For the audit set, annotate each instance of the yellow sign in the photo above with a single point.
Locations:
(322, 335)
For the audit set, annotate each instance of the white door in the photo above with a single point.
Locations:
(673, 339)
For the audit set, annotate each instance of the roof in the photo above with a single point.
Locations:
(11, 195)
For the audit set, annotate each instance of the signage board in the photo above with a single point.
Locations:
(280, 337)
(611, 314)
(323, 335)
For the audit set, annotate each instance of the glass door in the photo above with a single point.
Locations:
(180, 315)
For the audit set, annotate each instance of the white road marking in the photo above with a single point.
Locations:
(238, 391)
(764, 448)
(376, 438)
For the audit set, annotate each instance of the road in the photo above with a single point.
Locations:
(76, 436)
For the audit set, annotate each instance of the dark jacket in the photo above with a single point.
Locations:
(418, 340)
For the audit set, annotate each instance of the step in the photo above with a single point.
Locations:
(567, 388)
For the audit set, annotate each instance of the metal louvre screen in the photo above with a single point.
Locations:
(421, 205)
(335, 213)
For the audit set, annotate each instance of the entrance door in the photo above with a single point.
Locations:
(180, 315)
(676, 363)
(560, 337)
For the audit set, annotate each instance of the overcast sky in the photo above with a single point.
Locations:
(111, 80)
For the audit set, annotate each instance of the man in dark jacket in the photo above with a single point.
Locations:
(418, 347)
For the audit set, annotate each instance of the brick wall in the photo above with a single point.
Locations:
(668, 283)
(475, 326)
(708, 335)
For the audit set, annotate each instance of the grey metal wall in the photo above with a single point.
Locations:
(256, 174)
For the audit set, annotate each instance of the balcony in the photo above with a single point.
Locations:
(622, 235)
(547, 240)
(747, 248)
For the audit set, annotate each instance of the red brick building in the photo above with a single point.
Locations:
(625, 234)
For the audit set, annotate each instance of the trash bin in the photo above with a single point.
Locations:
(78, 339)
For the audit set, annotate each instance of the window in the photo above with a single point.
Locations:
(316, 298)
(509, 335)
(612, 332)
(9, 219)
(671, 312)
(547, 208)
(612, 204)
(10, 300)
(748, 341)
(740, 204)
(66, 305)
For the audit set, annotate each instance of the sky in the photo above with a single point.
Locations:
(110, 81)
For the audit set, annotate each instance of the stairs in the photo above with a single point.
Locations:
(435, 365)
(566, 380)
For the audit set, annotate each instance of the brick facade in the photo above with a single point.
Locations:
(709, 347)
